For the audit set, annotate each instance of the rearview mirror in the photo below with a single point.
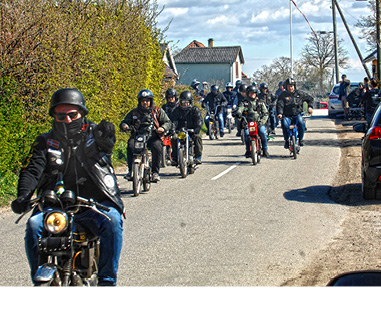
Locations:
(360, 127)
(357, 278)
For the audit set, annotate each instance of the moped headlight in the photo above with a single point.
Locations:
(56, 222)
(182, 135)
(139, 145)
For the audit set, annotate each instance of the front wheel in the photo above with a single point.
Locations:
(164, 156)
(211, 131)
(293, 147)
(137, 178)
(254, 152)
(183, 163)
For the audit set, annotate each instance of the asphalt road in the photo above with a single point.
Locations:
(229, 224)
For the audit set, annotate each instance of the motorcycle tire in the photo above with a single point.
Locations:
(243, 137)
(183, 164)
(254, 152)
(211, 132)
(137, 178)
(229, 126)
(294, 147)
(164, 156)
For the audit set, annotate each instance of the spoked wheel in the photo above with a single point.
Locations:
(243, 137)
(137, 171)
(147, 180)
(229, 126)
(293, 147)
(183, 163)
(211, 131)
(254, 152)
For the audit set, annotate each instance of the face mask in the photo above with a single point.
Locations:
(68, 130)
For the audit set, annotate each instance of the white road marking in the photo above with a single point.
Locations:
(225, 171)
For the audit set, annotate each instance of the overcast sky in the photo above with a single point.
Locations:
(262, 28)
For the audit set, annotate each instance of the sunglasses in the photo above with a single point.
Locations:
(62, 116)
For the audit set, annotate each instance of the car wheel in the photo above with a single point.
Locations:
(368, 192)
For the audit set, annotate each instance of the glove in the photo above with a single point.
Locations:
(105, 129)
(20, 205)
(104, 134)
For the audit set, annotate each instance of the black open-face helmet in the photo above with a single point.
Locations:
(289, 81)
(242, 88)
(186, 96)
(70, 97)
(171, 92)
(145, 94)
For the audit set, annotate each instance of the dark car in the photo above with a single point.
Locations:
(371, 154)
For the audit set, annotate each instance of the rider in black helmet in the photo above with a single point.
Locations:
(172, 102)
(240, 97)
(269, 99)
(290, 104)
(214, 102)
(188, 114)
(146, 114)
(77, 152)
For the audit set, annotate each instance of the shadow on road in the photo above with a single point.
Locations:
(348, 195)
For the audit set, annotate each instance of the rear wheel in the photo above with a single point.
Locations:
(147, 180)
(137, 178)
(294, 147)
(368, 192)
(254, 152)
(183, 163)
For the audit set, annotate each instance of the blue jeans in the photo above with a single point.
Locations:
(110, 234)
(286, 122)
(262, 134)
(220, 117)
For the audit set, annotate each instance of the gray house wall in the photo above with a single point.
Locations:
(213, 73)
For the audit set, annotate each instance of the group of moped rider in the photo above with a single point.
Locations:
(259, 105)
(77, 152)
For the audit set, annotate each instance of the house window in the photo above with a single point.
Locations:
(236, 70)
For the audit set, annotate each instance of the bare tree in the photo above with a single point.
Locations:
(319, 55)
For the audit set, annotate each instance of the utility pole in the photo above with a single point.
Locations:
(378, 36)
(335, 42)
(353, 40)
(291, 57)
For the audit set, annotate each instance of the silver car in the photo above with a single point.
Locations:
(334, 104)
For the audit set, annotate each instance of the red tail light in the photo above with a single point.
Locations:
(376, 133)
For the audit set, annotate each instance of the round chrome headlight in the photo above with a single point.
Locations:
(181, 135)
(56, 222)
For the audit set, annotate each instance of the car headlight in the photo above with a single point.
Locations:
(56, 222)
(182, 135)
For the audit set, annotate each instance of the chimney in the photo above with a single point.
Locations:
(210, 43)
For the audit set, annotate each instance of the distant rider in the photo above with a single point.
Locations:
(214, 102)
(241, 96)
(257, 112)
(189, 116)
(230, 96)
(290, 104)
(147, 115)
(269, 99)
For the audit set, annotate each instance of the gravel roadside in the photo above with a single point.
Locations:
(357, 245)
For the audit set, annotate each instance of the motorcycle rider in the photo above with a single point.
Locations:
(79, 151)
(146, 114)
(172, 102)
(290, 104)
(280, 89)
(189, 116)
(238, 83)
(269, 99)
(197, 92)
(257, 112)
(241, 96)
(215, 101)
(230, 96)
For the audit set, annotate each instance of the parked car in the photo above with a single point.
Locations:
(370, 155)
(334, 104)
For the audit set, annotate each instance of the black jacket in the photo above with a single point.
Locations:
(213, 100)
(85, 167)
(192, 117)
(291, 104)
(371, 100)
